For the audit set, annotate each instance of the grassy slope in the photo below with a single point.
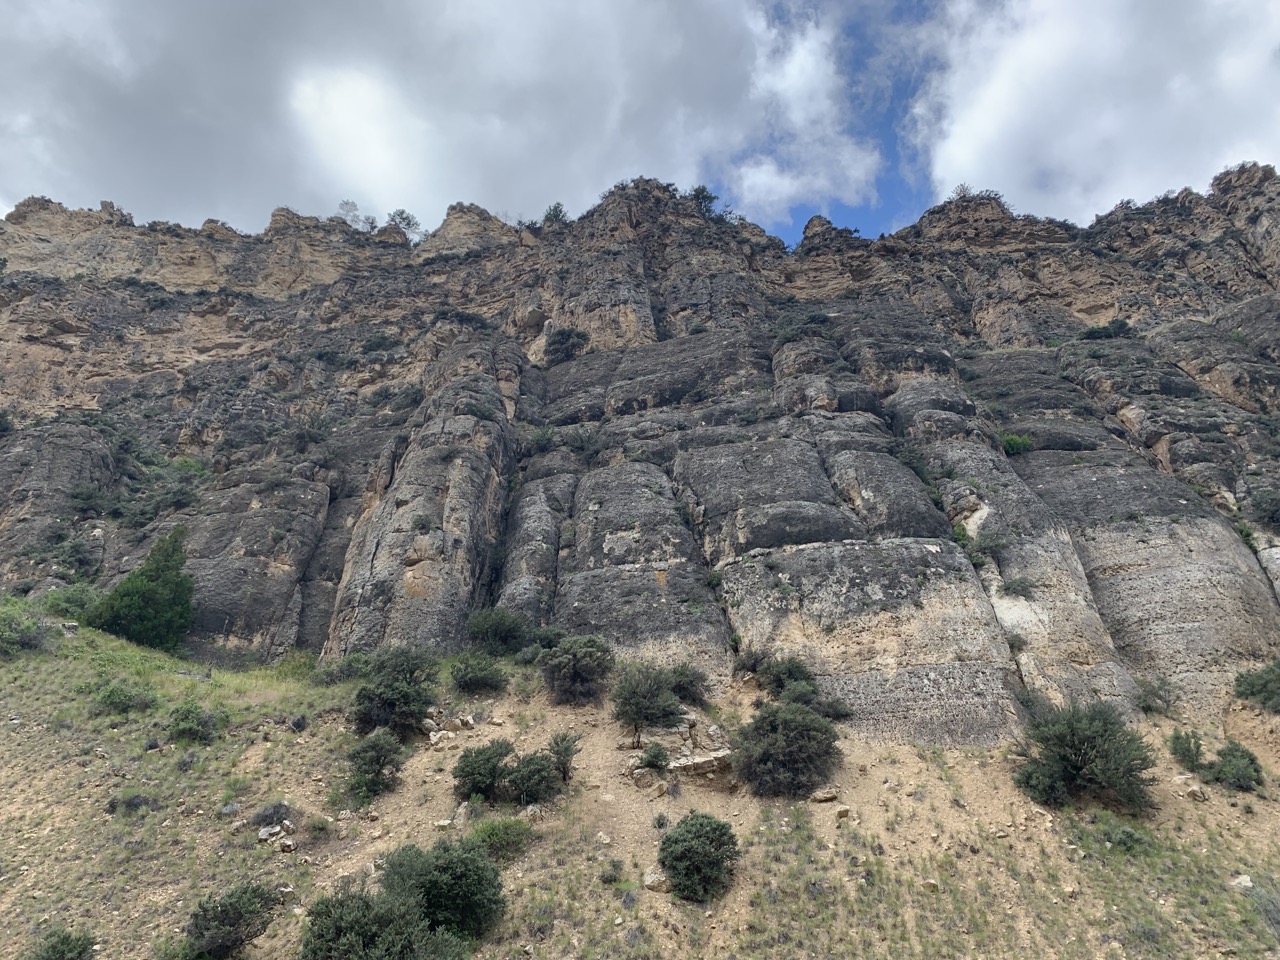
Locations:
(921, 868)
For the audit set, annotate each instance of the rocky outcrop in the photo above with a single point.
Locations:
(987, 454)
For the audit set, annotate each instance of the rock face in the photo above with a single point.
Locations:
(984, 454)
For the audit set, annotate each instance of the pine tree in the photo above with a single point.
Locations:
(152, 605)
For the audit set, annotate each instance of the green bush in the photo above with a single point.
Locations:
(481, 770)
(503, 838)
(775, 674)
(1017, 443)
(576, 670)
(397, 693)
(642, 697)
(1187, 749)
(1262, 686)
(354, 666)
(62, 944)
(563, 747)
(655, 757)
(455, 885)
(532, 778)
(375, 765)
(786, 750)
(751, 659)
(1236, 767)
(353, 925)
(221, 926)
(689, 684)
(191, 723)
(498, 631)
(565, 344)
(474, 672)
(1157, 694)
(698, 855)
(124, 696)
(1086, 751)
(152, 605)
(19, 630)
(73, 602)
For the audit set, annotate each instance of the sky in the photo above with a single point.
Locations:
(867, 111)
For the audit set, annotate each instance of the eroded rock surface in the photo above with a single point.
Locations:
(984, 455)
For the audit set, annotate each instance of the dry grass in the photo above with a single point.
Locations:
(941, 856)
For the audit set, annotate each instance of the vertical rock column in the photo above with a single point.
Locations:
(423, 546)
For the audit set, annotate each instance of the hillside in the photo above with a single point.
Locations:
(988, 461)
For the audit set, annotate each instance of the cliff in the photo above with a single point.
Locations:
(985, 454)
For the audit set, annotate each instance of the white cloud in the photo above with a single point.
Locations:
(1067, 108)
(226, 110)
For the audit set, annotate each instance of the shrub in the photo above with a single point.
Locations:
(62, 944)
(503, 838)
(527, 656)
(655, 757)
(1187, 749)
(564, 344)
(498, 631)
(775, 674)
(642, 697)
(1236, 767)
(474, 672)
(532, 778)
(575, 671)
(787, 750)
(397, 694)
(480, 770)
(272, 814)
(19, 631)
(152, 605)
(220, 926)
(751, 659)
(1157, 695)
(1086, 751)
(73, 602)
(689, 684)
(354, 666)
(124, 696)
(191, 723)
(1016, 443)
(455, 885)
(375, 765)
(698, 855)
(1116, 327)
(353, 925)
(1262, 686)
(563, 747)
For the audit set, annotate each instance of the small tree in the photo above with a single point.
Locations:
(575, 671)
(498, 631)
(532, 778)
(1086, 751)
(375, 765)
(698, 855)
(475, 672)
(455, 885)
(481, 770)
(786, 750)
(221, 926)
(407, 222)
(555, 215)
(643, 697)
(397, 693)
(152, 605)
(563, 747)
(1236, 767)
(704, 200)
(565, 343)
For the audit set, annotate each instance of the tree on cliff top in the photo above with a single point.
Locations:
(152, 605)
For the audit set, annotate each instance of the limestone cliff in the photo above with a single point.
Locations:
(987, 453)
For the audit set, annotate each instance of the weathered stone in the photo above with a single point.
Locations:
(655, 879)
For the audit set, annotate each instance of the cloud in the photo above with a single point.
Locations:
(188, 111)
(1067, 108)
